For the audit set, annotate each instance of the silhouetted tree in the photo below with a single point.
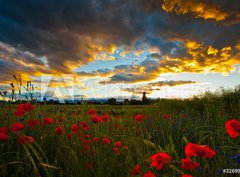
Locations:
(112, 101)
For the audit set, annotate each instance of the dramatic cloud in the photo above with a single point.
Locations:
(14, 61)
(198, 58)
(223, 11)
(155, 86)
(57, 37)
(69, 34)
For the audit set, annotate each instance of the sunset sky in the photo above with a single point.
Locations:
(120, 48)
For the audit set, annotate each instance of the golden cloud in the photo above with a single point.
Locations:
(200, 9)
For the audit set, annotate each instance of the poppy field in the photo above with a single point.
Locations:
(170, 138)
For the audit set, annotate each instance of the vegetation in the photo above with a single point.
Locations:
(84, 140)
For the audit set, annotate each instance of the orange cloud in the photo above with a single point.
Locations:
(199, 9)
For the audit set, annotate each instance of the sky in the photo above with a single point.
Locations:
(120, 48)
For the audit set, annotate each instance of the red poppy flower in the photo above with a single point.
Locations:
(69, 136)
(3, 130)
(139, 118)
(59, 130)
(28, 107)
(166, 116)
(135, 171)
(96, 119)
(116, 150)
(32, 123)
(75, 129)
(3, 136)
(85, 126)
(19, 113)
(87, 136)
(15, 127)
(91, 112)
(47, 121)
(105, 140)
(25, 139)
(149, 174)
(198, 150)
(95, 139)
(186, 175)
(22, 108)
(118, 144)
(105, 117)
(159, 159)
(188, 164)
(233, 128)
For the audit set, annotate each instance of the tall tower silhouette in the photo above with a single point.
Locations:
(144, 97)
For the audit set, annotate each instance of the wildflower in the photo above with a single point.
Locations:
(96, 119)
(105, 117)
(32, 123)
(233, 128)
(159, 159)
(125, 148)
(3, 136)
(59, 130)
(69, 136)
(139, 118)
(186, 175)
(236, 157)
(188, 164)
(135, 171)
(105, 140)
(91, 112)
(149, 174)
(15, 127)
(95, 139)
(85, 126)
(166, 116)
(118, 144)
(25, 139)
(87, 136)
(198, 150)
(75, 129)
(23, 108)
(47, 121)
(116, 150)
(3, 130)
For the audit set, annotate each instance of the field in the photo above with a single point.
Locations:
(121, 141)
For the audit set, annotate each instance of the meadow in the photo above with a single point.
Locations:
(170, 138)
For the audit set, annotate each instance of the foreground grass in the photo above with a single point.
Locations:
(200, 120)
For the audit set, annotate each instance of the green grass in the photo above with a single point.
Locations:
(200, 120)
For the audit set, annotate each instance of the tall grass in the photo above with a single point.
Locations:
(200, 120)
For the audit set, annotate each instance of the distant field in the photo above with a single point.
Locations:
(115, 140)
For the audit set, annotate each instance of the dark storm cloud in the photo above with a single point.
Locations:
(69, 30)
(71, 33)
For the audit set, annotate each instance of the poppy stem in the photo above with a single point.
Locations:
(177, 170)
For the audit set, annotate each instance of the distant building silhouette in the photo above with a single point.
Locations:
(144, 97)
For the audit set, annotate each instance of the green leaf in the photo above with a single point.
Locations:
(150, 144)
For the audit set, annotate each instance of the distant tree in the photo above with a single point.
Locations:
(135, 102)
(126, 101)
(112, 101)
